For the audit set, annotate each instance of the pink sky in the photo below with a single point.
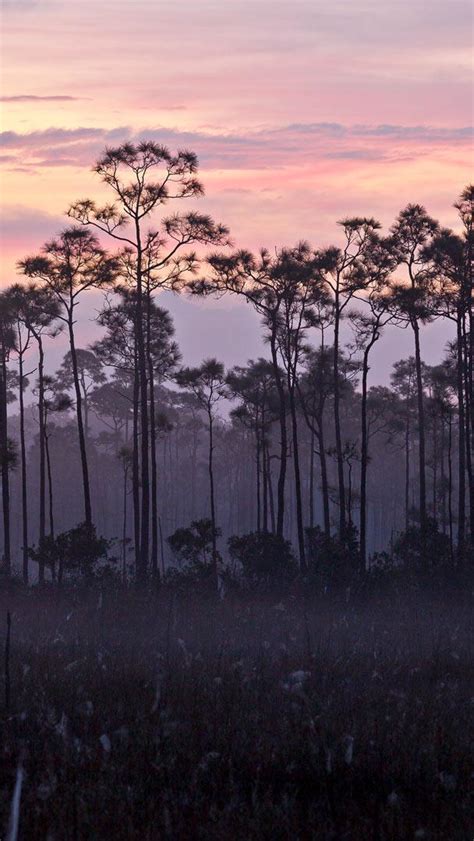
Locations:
(300, 112)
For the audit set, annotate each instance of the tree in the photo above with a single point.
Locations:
(368, 327)
(38, 311)
(21, 346)
(314, 388)
(403, 382)
(55, 402)
(250, 277)
(118, 347)
(207, 384)
(465, 208)
(448, 255)
(143, 178)
(411, 233)
(282, 290)
(7, 452)
(91, 374)
(254, 386)
(346, 271)
(70, 265)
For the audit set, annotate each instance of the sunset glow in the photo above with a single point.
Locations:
(298, 112)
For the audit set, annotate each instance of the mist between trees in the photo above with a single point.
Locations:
(128, 461)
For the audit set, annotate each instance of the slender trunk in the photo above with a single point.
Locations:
(469, 297)
(270, 493)
(136, 467)
(467, 382)
(311, 481)
(443, 476)
(142, 566)
(421, 427)
(24, 486)
(162, 548)
(42, 444)
(264, 477)
(124, 524)
(212, 499)
(337, 422)
(324, 478)
(461, 444)
(80, 424)
(257, 456)
(407, 467)
(298, 495)
(435, 466)
(364, 463)
(5, 464)
(50, 483)
(283, 436)
(450, 487)
(154, 480)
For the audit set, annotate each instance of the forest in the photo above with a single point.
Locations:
(239, 602)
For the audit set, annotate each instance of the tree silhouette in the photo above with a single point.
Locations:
(7, 452)
(254, 386)
(143, 178)
(207, 384)
(346, 271)
(70, 265)
(411, 233)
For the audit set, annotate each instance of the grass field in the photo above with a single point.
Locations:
(159, 718)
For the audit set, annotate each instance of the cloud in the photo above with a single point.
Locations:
(21, 226)
(270, 147)
(28, 97)
(46, 137)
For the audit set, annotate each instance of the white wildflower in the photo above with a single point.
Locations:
(105, 742)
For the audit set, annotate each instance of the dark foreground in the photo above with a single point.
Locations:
(272, 720)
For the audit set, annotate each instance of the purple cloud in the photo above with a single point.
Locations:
(28, 97)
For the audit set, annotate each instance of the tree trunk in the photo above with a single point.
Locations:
(467, 383)
(337, 422)
(283, 437)
(154, 482)
(124, 524)
(324, 477)
(364, 463)
(5, 464)
(461, 443)
(264, 475)
(298, 495)
(24, 486)
(136, 467)
(142, 565)
(421, 427)
(257, 456)
(450, 487)
(50, 482)
(80, 424)
(212, 500)
(270, 493)
(311, 481)
(407, 467)
(42, 444)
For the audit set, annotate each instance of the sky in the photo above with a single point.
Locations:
(300, 112)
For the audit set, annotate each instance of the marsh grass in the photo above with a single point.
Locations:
(145, 717)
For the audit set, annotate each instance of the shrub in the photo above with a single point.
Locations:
(194, 543)
(420, 549)
(332, 561)
(264, 557)
(77, 551)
